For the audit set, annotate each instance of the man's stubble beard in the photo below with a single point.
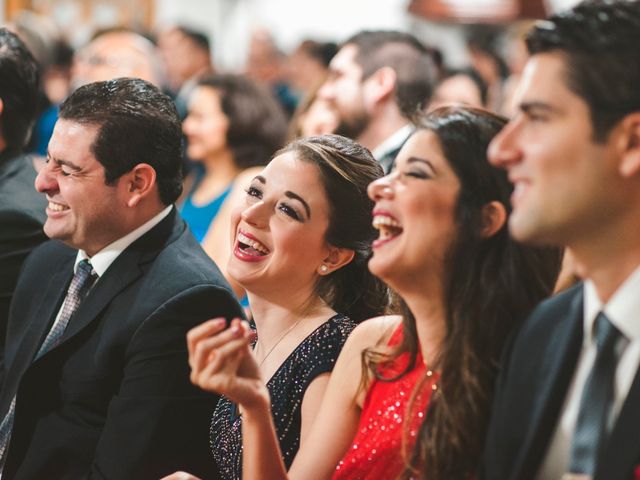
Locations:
(353, 127)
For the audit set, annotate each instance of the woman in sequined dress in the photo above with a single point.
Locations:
(410, 394)
(302, 257)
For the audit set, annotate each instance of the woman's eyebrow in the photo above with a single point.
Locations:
(422, 160)
(295, 196)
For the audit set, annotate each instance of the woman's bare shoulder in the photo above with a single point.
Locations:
(374, 331)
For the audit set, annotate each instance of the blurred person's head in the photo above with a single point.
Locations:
(442, 216)
(264, 59)
(114, 161)
(39, 33)
(463, 87)
(483, 43)
(294, 231)
(314, 116)
(378, 75)
(320, 118)
(231, 114)
(19, 83)
(308, 63)
(516, 48)
(572, 148)
(117, 53)
(186, 53)
(57, 76)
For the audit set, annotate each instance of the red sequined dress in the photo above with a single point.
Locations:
(376, 451)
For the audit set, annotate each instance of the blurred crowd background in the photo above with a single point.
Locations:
(284, 43)
(219, 59)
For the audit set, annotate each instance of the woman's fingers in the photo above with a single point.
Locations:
(213, 355)
(204, 347)
(204, 330)
(222, 369)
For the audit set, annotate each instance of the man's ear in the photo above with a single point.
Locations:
(494, 216)
(140, 183)
(630, 145)
(383, 83)
(337, 258)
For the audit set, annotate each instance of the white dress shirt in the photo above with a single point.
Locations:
(623, 310)
(105, 257)
(390, 144)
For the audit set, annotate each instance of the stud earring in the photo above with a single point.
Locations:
(324, 268)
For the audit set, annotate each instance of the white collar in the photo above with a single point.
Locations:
(622, 309)
(392, 142)
(105, 257)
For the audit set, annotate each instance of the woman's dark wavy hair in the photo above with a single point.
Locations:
(346, 169)
(491, 284)
(257, 124)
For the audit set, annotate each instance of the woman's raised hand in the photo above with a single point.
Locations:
(221, 362)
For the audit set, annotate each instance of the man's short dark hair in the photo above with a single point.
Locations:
(199, 39)
(19, 83)
(410, 59)
(600, 40)
(137, 124)
(322, 52)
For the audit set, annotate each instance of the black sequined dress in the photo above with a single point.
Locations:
(316, 354)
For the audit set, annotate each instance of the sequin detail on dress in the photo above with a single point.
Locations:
(376, 449)
(316, 354)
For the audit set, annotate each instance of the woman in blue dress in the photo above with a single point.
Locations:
(233, 127)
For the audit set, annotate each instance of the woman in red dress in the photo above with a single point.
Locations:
(410, 394)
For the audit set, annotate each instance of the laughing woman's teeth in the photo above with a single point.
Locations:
(387, 226)
(252, 243)
(383, 220)
(56, 207)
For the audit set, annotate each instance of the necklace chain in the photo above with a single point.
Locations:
(280, 338)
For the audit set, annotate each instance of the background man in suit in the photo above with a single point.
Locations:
(96, 380)
(21, 207)
(568, 398)
(377, 81)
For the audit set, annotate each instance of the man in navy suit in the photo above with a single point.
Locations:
(568, 397)
(96, 376)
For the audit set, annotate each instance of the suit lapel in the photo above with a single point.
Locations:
(122, 272)
(115, 279)
(558, 366)
(41, 322)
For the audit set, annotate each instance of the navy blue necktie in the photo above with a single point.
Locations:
(591, 427)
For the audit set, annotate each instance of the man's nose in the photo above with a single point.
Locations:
(46, 180)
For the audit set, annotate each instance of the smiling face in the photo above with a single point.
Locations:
(83, 211)
(415, 214)
(206, 124)
(279, 229)
(565, 183)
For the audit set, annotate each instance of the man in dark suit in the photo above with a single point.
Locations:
(568, 398)
(21, 207)
(96, 377)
